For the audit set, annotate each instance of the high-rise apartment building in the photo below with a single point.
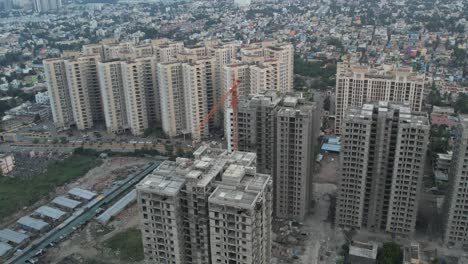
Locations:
(85, 93)
(456, 200)
(213, 209)
(282, 130)
(111, 81)
(381, 168)
(297, 127)
(357, 85)
(171, 89)
(56, 78)
(42, 6)
(165, 84)
(198, 78)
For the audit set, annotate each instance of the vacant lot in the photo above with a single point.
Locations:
(16, 193)
(127, 245)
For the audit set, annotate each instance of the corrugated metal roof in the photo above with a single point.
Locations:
(32, 223)
(12, 236)
(4, 249)
(117, 207)
(50, 212)
(331, 147)
(66, 202)
(85, 194)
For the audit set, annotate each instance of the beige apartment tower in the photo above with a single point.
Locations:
(111, 82)
(213, 209)
(456, 200)
(172, 92)
(357, 85)
(381, 168)
(85, 93)
(57, 85)
(198, 79)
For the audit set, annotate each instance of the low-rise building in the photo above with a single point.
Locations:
(411, 254)
(363, 253)
(7, 163)
(13, 237)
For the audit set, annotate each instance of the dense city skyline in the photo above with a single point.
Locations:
(243, 131)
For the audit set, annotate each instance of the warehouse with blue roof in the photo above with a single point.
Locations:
(13, 237)
(31, 224)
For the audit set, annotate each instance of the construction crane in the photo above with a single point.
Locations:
(234, 104)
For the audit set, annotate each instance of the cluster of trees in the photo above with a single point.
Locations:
(439, 140)
(313, 69)
(12, 57)
(390, 253)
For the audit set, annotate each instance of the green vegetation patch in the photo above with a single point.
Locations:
(127, 245)
(16, 193)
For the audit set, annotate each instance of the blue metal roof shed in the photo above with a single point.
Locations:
(4, 249)
(66, 202)
(9, 235)
(83, 194)
(331, 147)
(32, 223)
(53, 213)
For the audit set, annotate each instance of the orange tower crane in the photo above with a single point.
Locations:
(234, 104)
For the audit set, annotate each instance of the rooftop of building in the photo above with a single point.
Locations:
(50, 212)
(383, 71)
(85, 194)
(364, 250)
(406, 115)
(164, 180)
(9, 235)
(209, 164)
(32, 223)
(411, 253)
(66, 202)
(4, 249)
(238, 189)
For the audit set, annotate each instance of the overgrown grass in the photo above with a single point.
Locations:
(127, 245)
(16, 193)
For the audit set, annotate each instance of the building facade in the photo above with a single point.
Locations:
(357, 85)
(455, 207)
(162, 84)
(60, 99)
(213, 209)
(283, 131)
(381, 168)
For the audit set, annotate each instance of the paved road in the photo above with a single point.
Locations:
(84, 216)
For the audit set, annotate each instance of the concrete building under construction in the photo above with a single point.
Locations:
(282, 130)
(381, 168)
(214, 208)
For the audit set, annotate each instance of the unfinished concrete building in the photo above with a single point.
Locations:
(381, 168)
(213, 209)
(456, 201)
(282, 130)
(360, 84)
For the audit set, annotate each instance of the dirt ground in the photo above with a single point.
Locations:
(87, 243)
(315, 240)
(102, 177)
(326, 169)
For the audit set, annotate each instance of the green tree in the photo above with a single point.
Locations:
(326, 103)
(390, 253)
(35, 141)
(169, 149)
(461, 104)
